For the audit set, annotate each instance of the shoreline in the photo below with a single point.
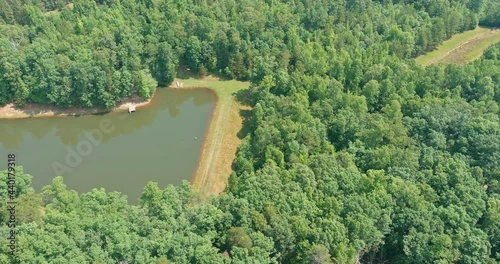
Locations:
(205, 144)
(220, 140)
(11, 111)
(195, 175)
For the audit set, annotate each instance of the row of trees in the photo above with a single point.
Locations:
(99, 53)
(354, 152)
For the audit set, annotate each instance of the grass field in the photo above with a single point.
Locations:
(462, 48)
(222, 141)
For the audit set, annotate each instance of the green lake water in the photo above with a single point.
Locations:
(117, 151)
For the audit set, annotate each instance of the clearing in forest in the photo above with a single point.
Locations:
(53, 12)
(462, 48)
(222, 141)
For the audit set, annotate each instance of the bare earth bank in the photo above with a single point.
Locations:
(11, 111)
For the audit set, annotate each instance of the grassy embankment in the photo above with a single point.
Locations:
(220, 144)
(222, 139)
(462, 48)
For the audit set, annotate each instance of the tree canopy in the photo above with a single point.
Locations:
(355, 152)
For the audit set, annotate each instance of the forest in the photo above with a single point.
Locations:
(354, 153)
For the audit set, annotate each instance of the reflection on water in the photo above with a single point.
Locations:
(160, 142)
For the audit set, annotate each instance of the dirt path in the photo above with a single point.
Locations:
(458, 54)
(462, 48)
(446, 54)
(221, 142)
(218, 138)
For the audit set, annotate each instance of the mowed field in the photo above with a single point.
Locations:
(222, 139)
(462, 48)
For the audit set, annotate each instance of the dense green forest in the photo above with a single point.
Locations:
(355, 154)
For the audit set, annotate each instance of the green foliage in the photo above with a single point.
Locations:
(490, 13)
(164, 64)
(237, 237)
(146, 84)
(319, 255)
(22, 184)
(353, 152)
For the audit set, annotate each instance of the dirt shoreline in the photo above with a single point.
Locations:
(11, 111)
(207, 136)
(220, 140)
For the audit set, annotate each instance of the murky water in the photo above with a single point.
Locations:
(118, 151)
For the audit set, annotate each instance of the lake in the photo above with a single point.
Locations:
(161, 142)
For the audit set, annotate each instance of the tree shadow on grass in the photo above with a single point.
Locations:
(184, 72)
(243, 97)
(246, 115)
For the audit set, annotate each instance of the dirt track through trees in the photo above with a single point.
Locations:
(470, 47)
(458, 55)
